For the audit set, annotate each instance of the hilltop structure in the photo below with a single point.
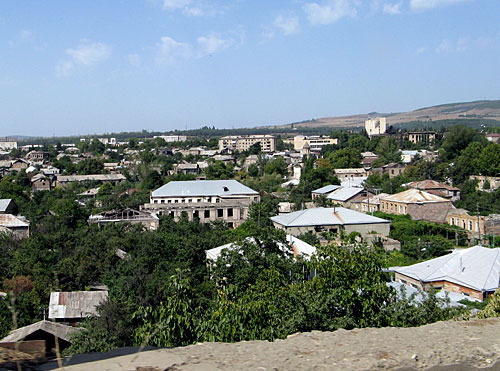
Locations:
(376, 126)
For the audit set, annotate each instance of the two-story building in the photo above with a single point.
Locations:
(206, 200)
(420, 205)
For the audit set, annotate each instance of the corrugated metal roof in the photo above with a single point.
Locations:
(4, 204)
(344, 193)
(477, 267)
(414, 195)
(350, 171)
(325, 216)
(75, 304)
(61, 331)
(326, 189)
(298, 247)
(374, 200)
(12, 221)
(203, 188)
(431, 184)
(95, 177)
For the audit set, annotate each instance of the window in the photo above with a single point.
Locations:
(452, 221)
(196, 214)
(162, 201)
(470, 225)
(169, 201)
(402, 281)
(176, 201)
(220, 213)
(207, 213)
(230, 213)
(155, 201)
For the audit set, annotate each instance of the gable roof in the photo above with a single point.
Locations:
(477, 267)
(57, 329)
(325, 216)
(298, 247)
(12, 221)
(203, 188)
(345, 193)
(431, 184)
(4, 204)
(414, 195)
(326, 189)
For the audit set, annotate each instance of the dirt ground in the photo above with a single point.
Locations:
(473, 343)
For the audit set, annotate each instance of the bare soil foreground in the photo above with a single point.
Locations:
(463, 344)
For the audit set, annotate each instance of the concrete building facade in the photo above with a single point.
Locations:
(8, 144)
(243, 143)
(312, 143)
(424, 137)
(206, 200)
(376, 126)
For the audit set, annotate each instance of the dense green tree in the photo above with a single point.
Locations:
(457, 139)
(219, 170)
(388, 150)
(345, 158)
(276, 166)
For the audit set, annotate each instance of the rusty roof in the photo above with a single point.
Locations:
(12, 221)
(414, 195)
(431, 184)
(75, 304)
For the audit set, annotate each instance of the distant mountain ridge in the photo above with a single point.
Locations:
(482, 109)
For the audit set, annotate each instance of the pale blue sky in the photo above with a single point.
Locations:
(78, 67)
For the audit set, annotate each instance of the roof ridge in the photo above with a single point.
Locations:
(496, 257)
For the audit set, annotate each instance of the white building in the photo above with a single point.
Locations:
(243, 143)
(8, 144)
(376, 126)
(206, 200)
(172, 138)
(107, 141)
(315, 142)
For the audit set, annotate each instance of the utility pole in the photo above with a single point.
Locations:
(478, 223)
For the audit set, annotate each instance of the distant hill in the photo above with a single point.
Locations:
(483, 110)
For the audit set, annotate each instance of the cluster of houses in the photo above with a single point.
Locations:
(464, 274)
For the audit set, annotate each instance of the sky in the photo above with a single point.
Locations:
(94, 67)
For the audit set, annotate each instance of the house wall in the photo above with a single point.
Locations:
(431, 211)
(467, 222)
(233, 212)
(445, 285)
(41, 185)
(364, 229)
